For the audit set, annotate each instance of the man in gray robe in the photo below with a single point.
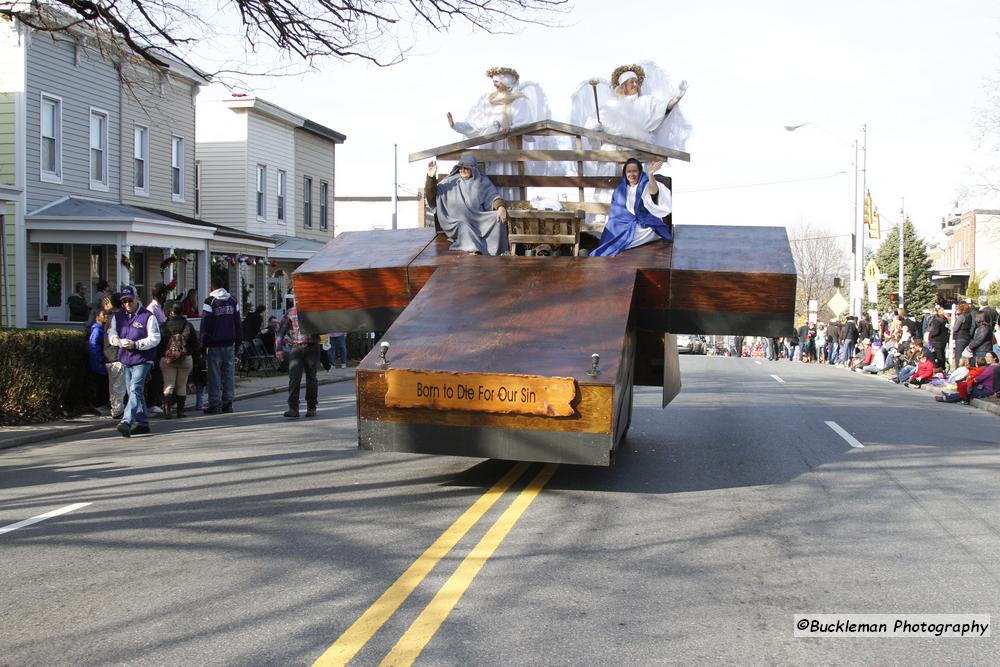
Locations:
(470, 210)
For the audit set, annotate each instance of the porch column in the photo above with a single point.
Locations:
(204, 271)
(122, 276)
(168, 275)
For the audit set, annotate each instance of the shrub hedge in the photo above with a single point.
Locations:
(44, 375)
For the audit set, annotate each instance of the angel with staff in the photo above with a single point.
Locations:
(640, 102)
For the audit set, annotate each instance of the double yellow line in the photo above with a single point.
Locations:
(437, 610)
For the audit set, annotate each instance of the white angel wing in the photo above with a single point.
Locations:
(535, 108)
(675, 130)
(538, 104)
(583, 111)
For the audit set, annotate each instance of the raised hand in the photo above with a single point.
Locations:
(451, 120)
(432, 168)
(655, 166)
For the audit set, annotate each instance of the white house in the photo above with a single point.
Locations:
(270, 172)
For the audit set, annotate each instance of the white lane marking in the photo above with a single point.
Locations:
(756, 362)
(778, 379)
(42, 517)
(851, 440)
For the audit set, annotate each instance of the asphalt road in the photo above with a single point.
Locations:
(246, 539)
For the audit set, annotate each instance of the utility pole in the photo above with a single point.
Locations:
(395, 186)
(857, 303)
(902, 207)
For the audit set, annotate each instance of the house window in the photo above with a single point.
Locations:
(307, 197)
(177, 168)
(324, 188)
(140, 154)
(281, 196)
(261, 191)
(98, 150)
(51, 141)
(197, 187)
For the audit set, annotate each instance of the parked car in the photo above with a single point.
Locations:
(685, 344)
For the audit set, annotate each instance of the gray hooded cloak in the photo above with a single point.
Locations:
(465, 211)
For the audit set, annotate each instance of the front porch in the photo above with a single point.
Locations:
(78, 240)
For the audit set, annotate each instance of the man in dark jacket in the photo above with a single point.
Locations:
(937, 333)
(79, 309)
(849, 340)
(253, 323)
(303, 356)
(865, 329)
(833, 333)
(907, 321)
(988, 310)
(220, 334)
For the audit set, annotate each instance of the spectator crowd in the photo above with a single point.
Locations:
(146, 358)
(953, 350)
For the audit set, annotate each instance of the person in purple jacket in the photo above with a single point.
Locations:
(221, 332)
(137, 333)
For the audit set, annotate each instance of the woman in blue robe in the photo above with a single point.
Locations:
(638, 207)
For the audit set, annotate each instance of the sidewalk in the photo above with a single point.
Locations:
(990, 405)
(246, 387)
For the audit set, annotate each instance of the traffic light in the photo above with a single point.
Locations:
(892, 297)
(868, 209)
(875, 228)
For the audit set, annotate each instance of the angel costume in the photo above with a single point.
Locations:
(643, 116)
(465, 209)
(635, 218)
(519, 104)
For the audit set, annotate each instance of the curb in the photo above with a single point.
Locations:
(44, 435)
(978, 403)
(988, 406)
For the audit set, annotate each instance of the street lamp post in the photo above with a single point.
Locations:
(857, 223)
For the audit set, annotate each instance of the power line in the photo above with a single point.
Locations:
(763, 183)
(819, 238)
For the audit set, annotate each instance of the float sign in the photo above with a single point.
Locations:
(478, 392)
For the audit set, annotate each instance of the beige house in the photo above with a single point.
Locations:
(967, 245)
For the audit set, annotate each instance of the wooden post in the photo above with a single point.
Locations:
(579, 166)
(518, 144)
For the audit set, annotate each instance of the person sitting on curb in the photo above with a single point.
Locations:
(867, 355)
(924, 371)
(877, 364)
(907, 361)
(982, 385)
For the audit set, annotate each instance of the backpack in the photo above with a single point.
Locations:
(176, 348)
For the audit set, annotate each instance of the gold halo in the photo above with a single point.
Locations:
(639, 72)
(494, 71)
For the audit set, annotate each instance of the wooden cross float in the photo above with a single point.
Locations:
(533, 358)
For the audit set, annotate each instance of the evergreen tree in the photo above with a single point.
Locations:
(918, 290)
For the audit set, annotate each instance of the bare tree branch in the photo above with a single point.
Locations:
(157, 31)
(819, 258)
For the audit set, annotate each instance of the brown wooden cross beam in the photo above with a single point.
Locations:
(469, 326)
(534, 358)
